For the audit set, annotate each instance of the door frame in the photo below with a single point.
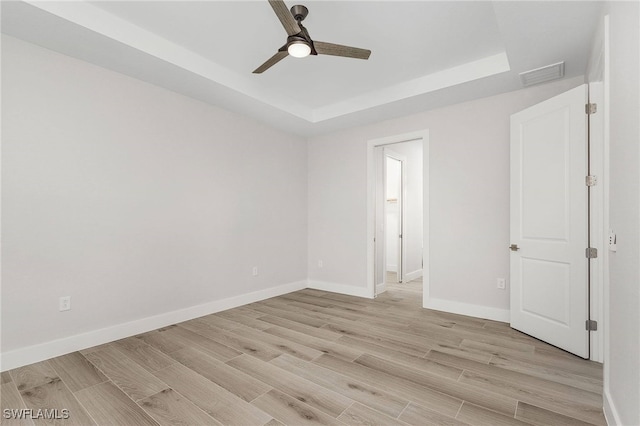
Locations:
(371, 197)
(598, 218)
(402, 216)
(599, 226)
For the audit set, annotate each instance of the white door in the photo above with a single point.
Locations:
(549, 221)
(394, 196)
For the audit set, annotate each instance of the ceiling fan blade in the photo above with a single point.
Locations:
(286, 18)
(280, 55)
(340, 50)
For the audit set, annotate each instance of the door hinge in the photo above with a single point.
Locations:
(591, 325)
(591, 253)
(591, 108)
(591, 180)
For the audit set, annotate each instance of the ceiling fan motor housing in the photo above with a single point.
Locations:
(299, 12)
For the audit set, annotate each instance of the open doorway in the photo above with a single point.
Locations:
(399, 216)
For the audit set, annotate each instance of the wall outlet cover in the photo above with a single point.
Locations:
(64, 303)
(501, 283)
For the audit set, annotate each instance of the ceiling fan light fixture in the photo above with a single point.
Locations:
(299, 49)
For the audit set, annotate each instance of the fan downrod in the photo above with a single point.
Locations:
(299, 12)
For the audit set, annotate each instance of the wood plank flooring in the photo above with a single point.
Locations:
(313, 357)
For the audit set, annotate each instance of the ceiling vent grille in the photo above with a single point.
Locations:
(542, 75)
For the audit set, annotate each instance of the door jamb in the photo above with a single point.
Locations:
(598, 224)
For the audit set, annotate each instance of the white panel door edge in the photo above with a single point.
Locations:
(401, 206)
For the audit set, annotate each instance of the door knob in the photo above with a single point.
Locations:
(514, 247)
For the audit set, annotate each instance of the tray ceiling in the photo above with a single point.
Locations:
(425, 54)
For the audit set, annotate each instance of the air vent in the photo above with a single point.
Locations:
(542, 75)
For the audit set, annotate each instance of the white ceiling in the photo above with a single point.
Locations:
(425, 54)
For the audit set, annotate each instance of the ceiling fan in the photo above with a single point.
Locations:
(299, 43)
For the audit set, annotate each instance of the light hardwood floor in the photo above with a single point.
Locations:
(414, 286)
(313, 357)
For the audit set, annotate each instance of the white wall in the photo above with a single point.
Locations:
(469, 198)
(134, 201)
(622, 360)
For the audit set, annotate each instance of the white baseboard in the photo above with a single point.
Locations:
(341, 288)
(410, 276)
(36, 353)
(468, 309)
(610, 413)
(392, 268)
(381, 288)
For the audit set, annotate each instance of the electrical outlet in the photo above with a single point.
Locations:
(255, 271)
(64, 303)
(320, 264)
(501, 284)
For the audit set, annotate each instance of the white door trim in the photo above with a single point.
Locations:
(371, 188)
